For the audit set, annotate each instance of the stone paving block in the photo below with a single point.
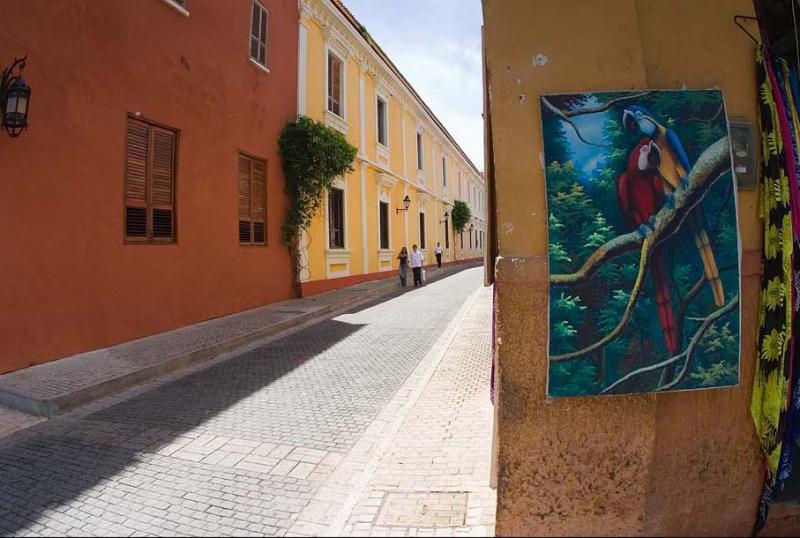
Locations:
(283, 468)
(301, 470)
(133, 456)
(263, 449)
(281, 451)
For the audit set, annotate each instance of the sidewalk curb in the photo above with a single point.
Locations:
(49, 407)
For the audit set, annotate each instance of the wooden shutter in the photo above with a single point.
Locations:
(245, 229)
(150, 157)
(258, 200)
(136, 172)
(163, 181)
(252, 200)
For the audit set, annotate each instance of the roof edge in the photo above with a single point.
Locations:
(385, 57)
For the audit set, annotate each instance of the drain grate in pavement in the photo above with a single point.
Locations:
(423, 509)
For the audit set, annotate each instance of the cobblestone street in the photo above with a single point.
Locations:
(374, 422)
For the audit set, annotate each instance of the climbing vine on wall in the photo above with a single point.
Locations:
(313, 156)
(461, 215)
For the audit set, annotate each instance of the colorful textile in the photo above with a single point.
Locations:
(789, 93)
(769, 405)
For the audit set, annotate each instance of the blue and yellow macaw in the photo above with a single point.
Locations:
(674, 169)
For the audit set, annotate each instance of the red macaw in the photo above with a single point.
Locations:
(640, 192)
(674, 168)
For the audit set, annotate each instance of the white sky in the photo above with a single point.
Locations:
(436, 44)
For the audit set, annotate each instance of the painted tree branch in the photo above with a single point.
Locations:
(710, 166)
(626, 316)
(605, 106)
(686, 354)
(710, 320)
(567, 115)
(683, 306)
(549, 106)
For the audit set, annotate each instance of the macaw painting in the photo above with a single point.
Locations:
(644, 248)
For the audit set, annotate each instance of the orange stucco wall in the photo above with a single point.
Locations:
(668, 464)
(70, 284)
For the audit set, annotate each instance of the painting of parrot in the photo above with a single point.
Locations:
(674, 169)
(641, 194)
(633, 308)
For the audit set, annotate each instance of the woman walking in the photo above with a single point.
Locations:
(403, 257)
(438, 252)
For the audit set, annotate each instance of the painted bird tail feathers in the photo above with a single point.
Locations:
(710, 267)
(665, 316)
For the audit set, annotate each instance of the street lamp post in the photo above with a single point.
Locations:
(14, 99)
(406, 203)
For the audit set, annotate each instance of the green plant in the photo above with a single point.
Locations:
(313, 155)
(461, 215)
(363, 31)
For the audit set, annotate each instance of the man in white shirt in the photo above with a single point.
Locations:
(416, 260)
(438, 252)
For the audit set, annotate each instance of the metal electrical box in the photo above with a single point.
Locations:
(744, 147)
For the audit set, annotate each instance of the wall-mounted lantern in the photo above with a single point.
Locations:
(471, 226)
(406, 203)
(445, 216)
(15, 97)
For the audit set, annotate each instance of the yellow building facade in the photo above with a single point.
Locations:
(348, 82)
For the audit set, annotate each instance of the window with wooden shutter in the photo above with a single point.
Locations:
(422, 230)
(258, 34)
(384, 222)
(336, 218)
(252, 201)
(150, 162)
(381, 112)
(335, 84)
(419, 151)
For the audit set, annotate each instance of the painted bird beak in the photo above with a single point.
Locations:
(629, 121)
(654, 157)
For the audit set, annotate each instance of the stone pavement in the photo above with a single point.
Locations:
(53, 387)
(246, 443)
(12, 420)
(423, 466)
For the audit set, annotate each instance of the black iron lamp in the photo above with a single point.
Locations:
(406, 203)
(15, 97)
(471, 226)
(445, 216)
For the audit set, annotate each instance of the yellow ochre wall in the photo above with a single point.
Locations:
(377, 173)
(666, 464)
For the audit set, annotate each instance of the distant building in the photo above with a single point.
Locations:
(347, 81)
(147, 192)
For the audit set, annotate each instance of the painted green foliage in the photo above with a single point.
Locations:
(584, 161)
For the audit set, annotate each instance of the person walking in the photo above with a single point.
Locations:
(403, 257)
(416, 261)
(438, 252)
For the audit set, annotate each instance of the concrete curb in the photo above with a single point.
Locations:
(48, 407)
